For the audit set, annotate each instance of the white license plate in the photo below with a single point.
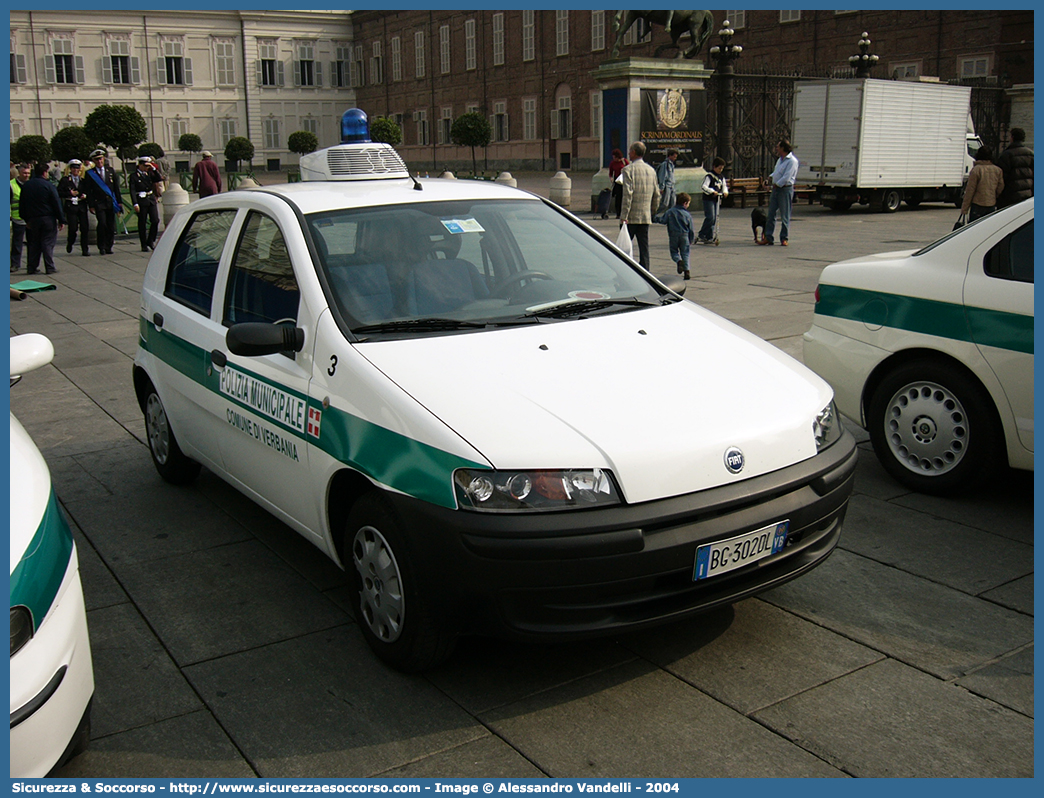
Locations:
(723, 556)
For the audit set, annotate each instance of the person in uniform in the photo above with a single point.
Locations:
(104, 200)
(142, 186)
(72, 190)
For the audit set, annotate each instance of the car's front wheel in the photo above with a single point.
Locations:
(394, 614)
(933, 428)
(167, 456)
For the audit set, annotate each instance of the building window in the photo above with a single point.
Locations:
(561, 33)
(597, 31)
(445, 124)
(228, 131)
(562, 118)
(358, 69)
(421, 118)
(62, 65)
(307, 71)
(471, 108)
(269, 68)
(500, 121)
(174, 69)
(119, 67)
(529, 118)
(789, 16)
(16, 130)
(396, 56)
(975, 67)
(377, 64)
(498, 39)
(270, 128)
(528, 36)
(469, 44)
(339, 69)
(444, 49)
(596, 114)
(178, 128)
(909, 70)
(418, 53)
(311, 124)
(18, 70)
(225, 62)
(737, 19)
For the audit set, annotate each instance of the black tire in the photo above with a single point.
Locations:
(934, 428)
(837, 205)
(913, 198)
(170, 461)
(394, 614)
(891, 199)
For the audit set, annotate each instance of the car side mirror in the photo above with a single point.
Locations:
(28, 353)
(675, 282)
(252, 338)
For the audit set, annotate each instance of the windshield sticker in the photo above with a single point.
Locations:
(458, 226)
(588, 295)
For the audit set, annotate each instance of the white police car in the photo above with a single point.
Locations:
(932, 351)
(456, 390)
(52, 679)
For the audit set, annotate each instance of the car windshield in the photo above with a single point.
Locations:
(441, 267)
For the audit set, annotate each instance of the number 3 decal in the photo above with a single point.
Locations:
(333, 365)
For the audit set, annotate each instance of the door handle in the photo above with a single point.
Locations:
(218, 358)
(157, 319)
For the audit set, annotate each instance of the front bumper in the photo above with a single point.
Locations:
(52, 681)
(577, 574)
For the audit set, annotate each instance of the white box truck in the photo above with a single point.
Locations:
(883, 142)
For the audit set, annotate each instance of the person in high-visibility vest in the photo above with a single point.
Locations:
(17, 222)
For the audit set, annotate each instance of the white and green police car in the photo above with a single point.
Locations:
(493, 419)
(932, 351)
(52, 679)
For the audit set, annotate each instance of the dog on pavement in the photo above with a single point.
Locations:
(757, 219)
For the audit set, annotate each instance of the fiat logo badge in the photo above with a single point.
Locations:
(734, 460)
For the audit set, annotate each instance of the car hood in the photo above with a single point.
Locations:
(656, 396)
(30, 491)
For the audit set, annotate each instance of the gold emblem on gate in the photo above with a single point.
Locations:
(673, 108)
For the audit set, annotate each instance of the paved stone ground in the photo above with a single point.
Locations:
(225, 645)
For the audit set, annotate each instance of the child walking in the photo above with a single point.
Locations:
(714, 188)
(680, 232)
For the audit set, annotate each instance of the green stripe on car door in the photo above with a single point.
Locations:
(38, 576)
(985, 327)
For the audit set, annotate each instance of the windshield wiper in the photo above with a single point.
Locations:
(577, 306)
(420, 325)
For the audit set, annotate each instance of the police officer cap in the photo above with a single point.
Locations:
(145, 159)
(97, 153)
(75, 162)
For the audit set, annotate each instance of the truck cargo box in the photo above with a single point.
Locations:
(881, 133)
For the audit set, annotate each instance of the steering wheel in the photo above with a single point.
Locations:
(500, 289)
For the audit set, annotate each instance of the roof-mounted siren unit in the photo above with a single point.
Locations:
(356, 157)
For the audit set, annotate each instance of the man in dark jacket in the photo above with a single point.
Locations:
(72, 190)
(44, 217)
(1016, 162)
(104, 200)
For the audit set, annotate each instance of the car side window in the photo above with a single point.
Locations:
(1012, 257)
(261, 282)
(193, 269)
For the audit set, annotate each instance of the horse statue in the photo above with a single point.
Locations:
(698, 24)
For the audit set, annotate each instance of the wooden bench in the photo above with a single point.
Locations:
(744, 187)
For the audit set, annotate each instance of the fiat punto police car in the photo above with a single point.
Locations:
(932, 351)
(462, 394)
(52, 679)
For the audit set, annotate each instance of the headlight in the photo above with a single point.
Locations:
(827, 427)
(522, 491)
(21, 628)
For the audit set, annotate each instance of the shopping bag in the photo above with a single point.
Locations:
(959, 223)
(623, 241)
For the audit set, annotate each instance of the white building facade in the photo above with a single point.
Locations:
(258, 74)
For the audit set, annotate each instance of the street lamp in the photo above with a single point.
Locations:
(864, 61)
(724, 56)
